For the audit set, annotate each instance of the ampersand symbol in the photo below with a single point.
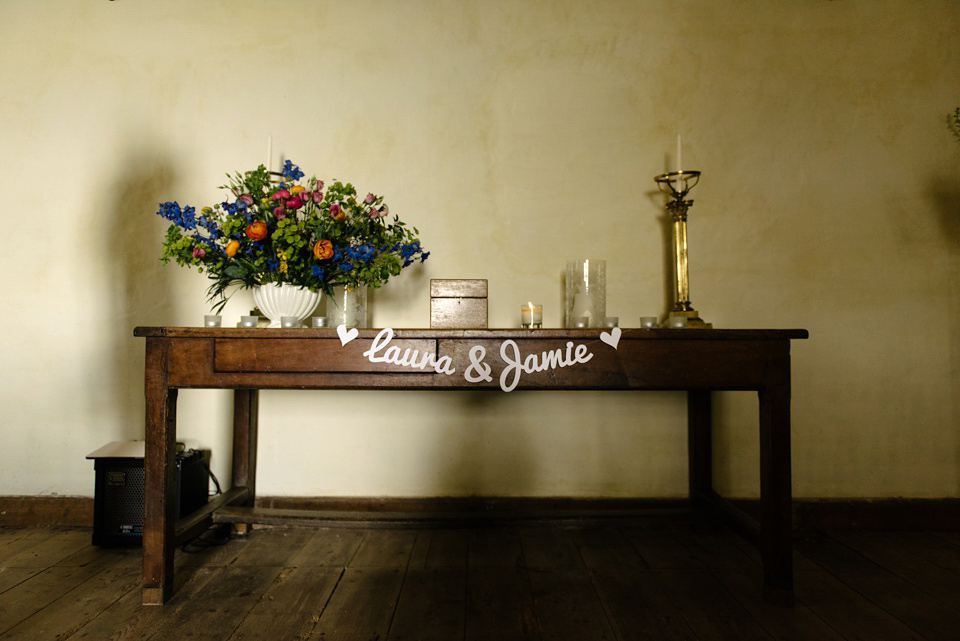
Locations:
(477, 370)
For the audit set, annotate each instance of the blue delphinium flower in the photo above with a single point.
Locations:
(183, 217)
(362, 253)
(291, 171)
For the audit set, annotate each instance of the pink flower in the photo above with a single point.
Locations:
(294, 203)
(369, 199)
(199, 252)
(247, 198)
(317, 196)
(283, 193)
(337, 213)
(278, 212)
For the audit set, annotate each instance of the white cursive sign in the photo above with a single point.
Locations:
(381, 351)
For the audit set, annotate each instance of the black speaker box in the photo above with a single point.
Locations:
(118, 497)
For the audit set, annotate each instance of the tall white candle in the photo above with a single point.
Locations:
(679, 153)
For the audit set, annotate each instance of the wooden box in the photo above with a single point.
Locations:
(458, 304)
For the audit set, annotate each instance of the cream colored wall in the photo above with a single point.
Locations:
(515, 135)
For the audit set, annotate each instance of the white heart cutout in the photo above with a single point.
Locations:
(611, 338)
(346, 335)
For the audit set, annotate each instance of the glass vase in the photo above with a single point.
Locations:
(348, 306)
(586, 293)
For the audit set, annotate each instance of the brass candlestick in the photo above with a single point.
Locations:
(678, 184)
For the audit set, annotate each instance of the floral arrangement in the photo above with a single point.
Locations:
(275, 229)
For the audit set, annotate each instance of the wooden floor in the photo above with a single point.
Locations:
(657, 578)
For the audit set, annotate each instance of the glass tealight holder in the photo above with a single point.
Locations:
(611, 321)
(289, 321)
(648, 322)
(319, 321)
(580, 322)
(531, 315)
(212, 320)
(677, 322)
(248, 321)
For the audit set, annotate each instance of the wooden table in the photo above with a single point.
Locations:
(698, 361)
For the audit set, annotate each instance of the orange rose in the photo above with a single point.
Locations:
(232, 248)
(323, 249)
(257, 230)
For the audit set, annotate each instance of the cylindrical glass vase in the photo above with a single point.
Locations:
(347, 306)
(586, 292)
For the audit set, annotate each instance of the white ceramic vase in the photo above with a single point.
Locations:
(278, 300)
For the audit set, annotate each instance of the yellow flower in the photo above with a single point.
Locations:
(232, 248)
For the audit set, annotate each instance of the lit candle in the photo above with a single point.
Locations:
(526, 314)
(531, 315)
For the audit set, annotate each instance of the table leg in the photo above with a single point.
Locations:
(776, 495)
(245, 418)
(699, 444)
(159, 519)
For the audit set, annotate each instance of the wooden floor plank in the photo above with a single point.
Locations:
(50, 549)
(43, 588)
(706, 605)
(272, 546)
(896, 596)
(638, 607)
(499, 605)
(362, 605)
(128, 619)
(216, 611)
(781, 623)
(854, 617)
(69, 613)
(12, 577)
(9, 536)
(328, 547)
(674, 579)
(291, 607)
(441, 548)
(568, 606)
(545, 547)
(432, 605)
(384, 549)
(22, 539)
(920, 559)
(495, 547)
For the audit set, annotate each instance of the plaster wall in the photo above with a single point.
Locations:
(514, 136)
